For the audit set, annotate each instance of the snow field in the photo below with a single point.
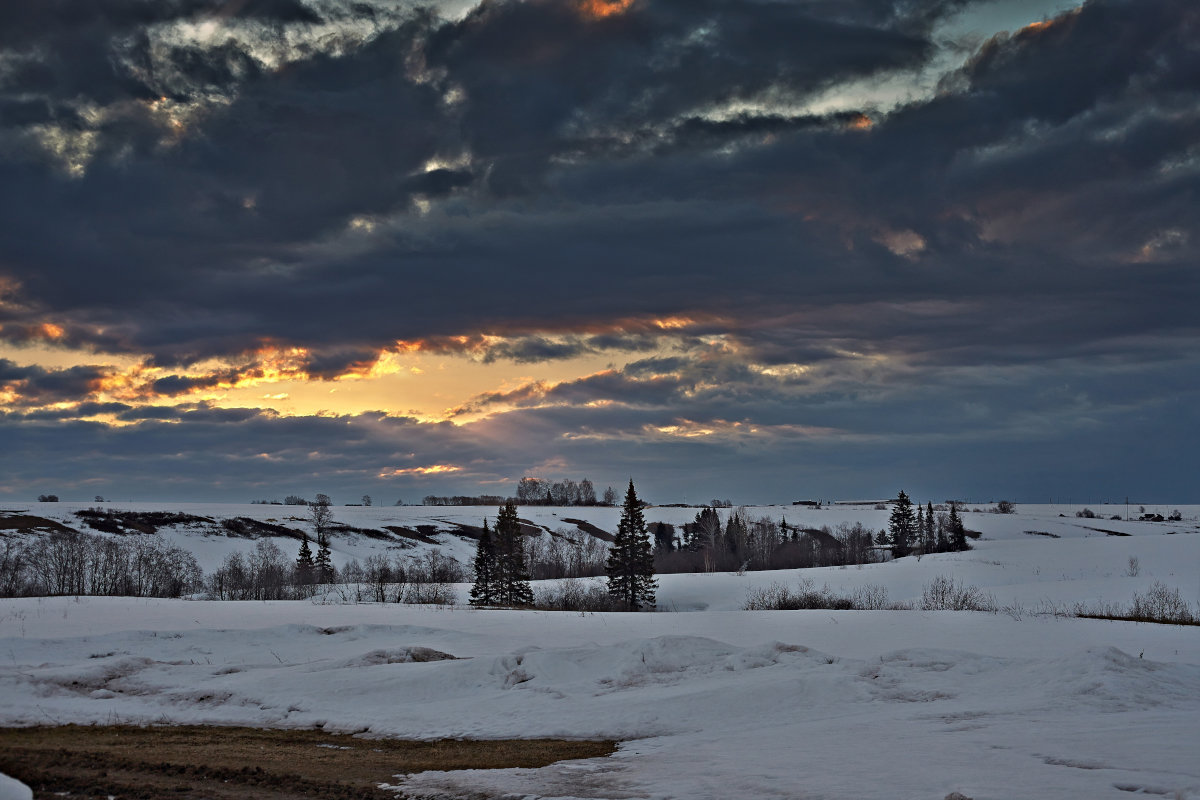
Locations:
(714, 703)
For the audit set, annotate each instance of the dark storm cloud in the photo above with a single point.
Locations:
(537, 72)
(36, 385)
(70, 414)
(530, 172)
(201, 241)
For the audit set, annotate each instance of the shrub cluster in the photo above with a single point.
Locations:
(779, 597)
(944, 593)
(575, 595)
(77, 563)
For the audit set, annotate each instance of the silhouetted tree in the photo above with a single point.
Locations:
(956, 532)
(512, 574)
(630, 565)
(484, 592)
(304, 563)
(664, 537)
(930, 532)
(321, 517)
(902, 525)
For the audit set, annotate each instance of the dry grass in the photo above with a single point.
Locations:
(193, 762)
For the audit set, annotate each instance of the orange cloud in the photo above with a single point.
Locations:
(1041, 26)
(599, 9)
(860, 122)
(432, 469)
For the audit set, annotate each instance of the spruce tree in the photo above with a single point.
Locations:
(921, 528)
(957, 531)
(512, 574)
(630, 565)
(321, 516)
(304, 562)
(901, 525)
(323, 563)
(930, 529)
(484, 590)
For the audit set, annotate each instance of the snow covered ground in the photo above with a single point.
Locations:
(713, 703)
(210, 542)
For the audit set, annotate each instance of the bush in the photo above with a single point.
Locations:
(575, 595)
(1175, 516)
(1161, 604)
(947, 594)
(778, 597)
(873, 597)
(47, 498)
(1086, 513)
(1006, 507)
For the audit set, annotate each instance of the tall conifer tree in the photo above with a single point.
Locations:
(930, 529)
(323, 563)
(630, 565)
(921, 528)
(957, 531)
(485, 589)
(902, 525)
(512, 574)
(304, 562)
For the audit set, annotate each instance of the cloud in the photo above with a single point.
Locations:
(231, 193)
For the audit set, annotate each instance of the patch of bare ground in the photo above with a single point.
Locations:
(218, 763)
(27, 523)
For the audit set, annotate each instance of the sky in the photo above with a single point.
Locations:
(762, 250)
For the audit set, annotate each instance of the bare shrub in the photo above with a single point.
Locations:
(575, 595)
(1086, 513)
(872, 597)
(778, 597)
(1134, 567)
(1161, 604)
(431, 579)
(944, 593)
(1006, 507)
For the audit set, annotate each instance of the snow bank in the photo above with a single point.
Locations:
(12, 789)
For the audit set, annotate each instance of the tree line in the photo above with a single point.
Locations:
(501, 574)
(78, 563)
(534, 492)
(506, 561)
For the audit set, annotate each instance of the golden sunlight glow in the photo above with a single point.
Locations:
(860, 122)
(433, 469)
(673, 323)
(458, 379)
(783, 370)
(686, 429)
(1046, 24)
(599, 9)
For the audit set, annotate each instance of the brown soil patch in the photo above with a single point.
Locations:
(28, 522)
(588, 527)
(217, 763)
